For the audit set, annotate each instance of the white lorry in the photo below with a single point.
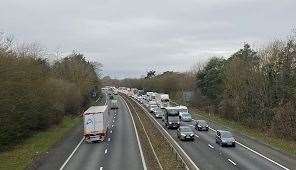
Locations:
(114, 104)
(95, 123)
(163, 100)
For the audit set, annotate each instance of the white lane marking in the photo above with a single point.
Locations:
(259, 154)
(262, 156)
(112, 125)
(101, 168)
(109, 139)
(232, 162)
(191, 125)
(113, 121)
(197, 136)
(110, 131)
(171, 138)
(211, 146)
(137, 136)
(106, 150)
(67, 160)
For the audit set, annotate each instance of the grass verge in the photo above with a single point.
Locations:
(275, 142)
(21, 156)
(165, 153)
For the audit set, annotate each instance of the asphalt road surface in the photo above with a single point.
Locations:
(119, 151)
(248, 153)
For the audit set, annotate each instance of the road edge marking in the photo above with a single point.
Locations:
(70, 156)
(257, 153)
(137, 136)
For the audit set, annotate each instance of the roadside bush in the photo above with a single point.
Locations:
(35, 95)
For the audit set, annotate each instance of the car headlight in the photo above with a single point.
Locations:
(170, 122)
(199, 126)
(183, 134)
(178, 122)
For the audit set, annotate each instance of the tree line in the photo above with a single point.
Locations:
(254, 87)
(36, 94)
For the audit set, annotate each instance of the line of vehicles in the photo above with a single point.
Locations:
(96, 117)
(176, 117)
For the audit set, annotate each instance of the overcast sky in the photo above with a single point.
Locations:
(129, 37)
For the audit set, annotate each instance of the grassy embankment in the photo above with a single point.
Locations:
(22, 155)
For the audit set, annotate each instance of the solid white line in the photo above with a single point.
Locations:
(137, 136)
(101, 168)
(259, 154)
(232, 162)
(171, 138)
(262, 156)
(106, 150)
(67, 160)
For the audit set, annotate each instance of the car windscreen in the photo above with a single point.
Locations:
(173, 111)
(173, 118)
(226, 135)
(185, 129)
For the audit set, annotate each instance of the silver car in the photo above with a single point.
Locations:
(225, 138)
(185, 117)
(185, 133)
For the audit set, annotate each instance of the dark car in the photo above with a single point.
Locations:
(185, 133)
(201, 125)
(225, 138)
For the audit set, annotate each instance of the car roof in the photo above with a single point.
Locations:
(184, 127)
(223, 131)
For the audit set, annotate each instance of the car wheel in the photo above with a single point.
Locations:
(233, 144)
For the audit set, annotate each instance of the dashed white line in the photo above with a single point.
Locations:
(257, 153)
(211, 146)
(113, 121)
(106, 150)
(112, 125)
(197, 136)
(109, 139)
(110, 131)
(232, 162)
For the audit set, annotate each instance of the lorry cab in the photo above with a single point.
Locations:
(171, 117)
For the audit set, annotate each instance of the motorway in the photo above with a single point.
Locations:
(248, 153)
(119, 151)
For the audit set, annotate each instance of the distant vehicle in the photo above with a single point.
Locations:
(182, 109)
(171, 117)
(201, 125)
(158, 113)
(95, 123)
(185, 133)
(152, 108)
(225, 138)
(163, 100)
(185, 116)
(114, 104)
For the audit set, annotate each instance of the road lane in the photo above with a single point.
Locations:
(216, 157)
(119, 151)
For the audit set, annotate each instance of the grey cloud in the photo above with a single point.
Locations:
(132, 36)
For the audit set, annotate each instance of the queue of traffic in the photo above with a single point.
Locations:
(176, 116)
